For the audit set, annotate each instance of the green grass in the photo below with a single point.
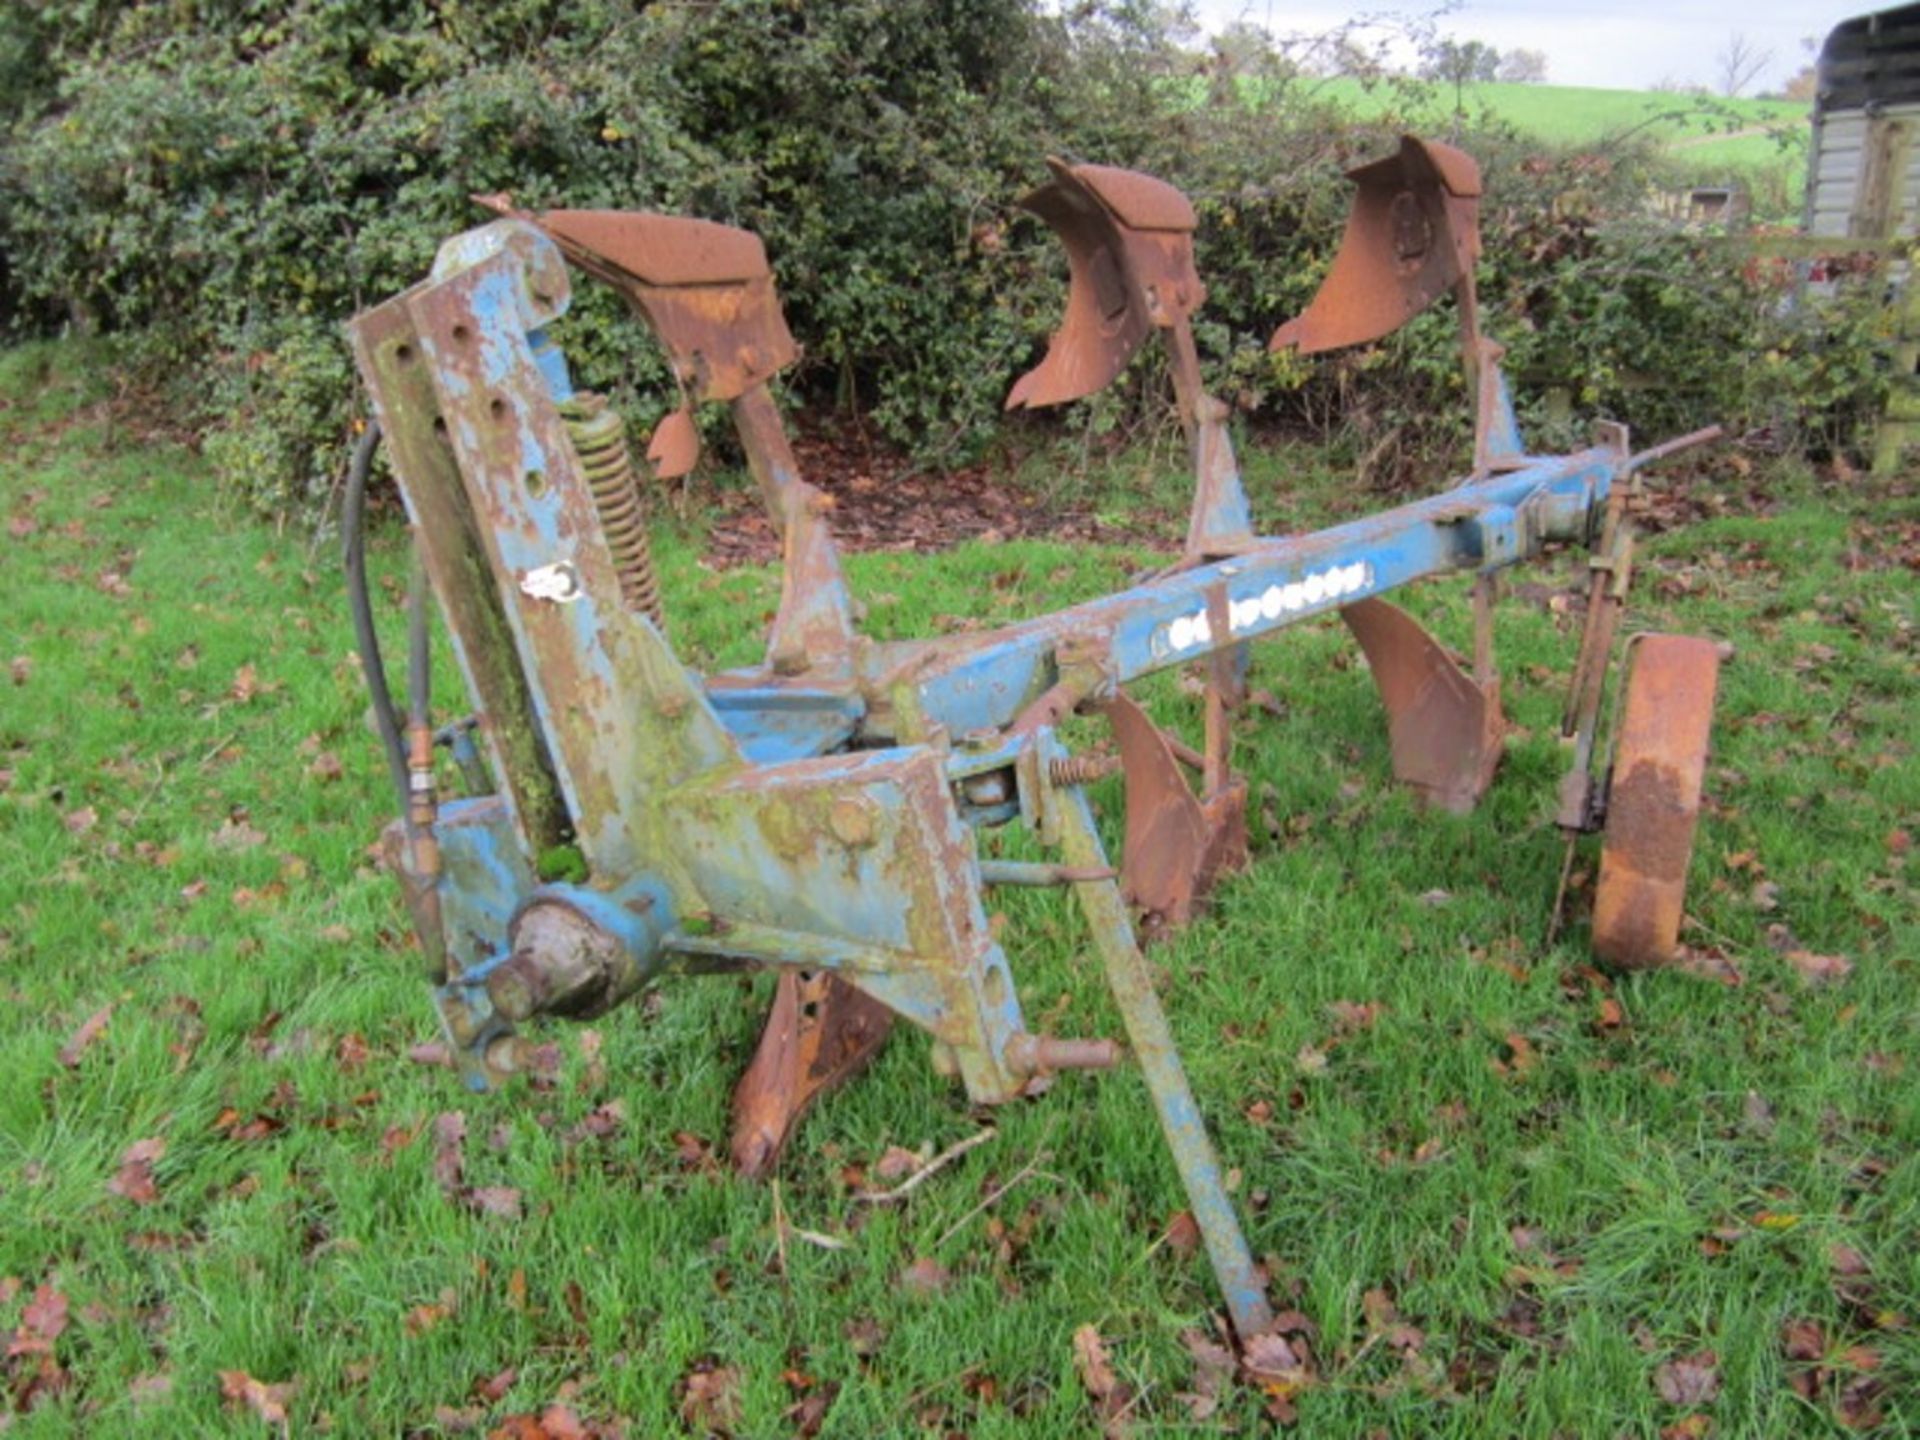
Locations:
(1553, 1232)
(1708, 140)
(1579, 115)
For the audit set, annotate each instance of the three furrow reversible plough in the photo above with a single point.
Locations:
(816, 813)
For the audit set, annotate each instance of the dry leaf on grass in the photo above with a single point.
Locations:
(1693, 1380)
(1182, 1235)
(134, 1179)
(1111, 1398)
(145, 1389)
(1213, 1367)
(82, 1038)
(236, 833)
(449, 1138)
(269, 1402)
(1802, 1340)
(925, 1276)
(502, 1202)
(710, 1398)
(1819, 969)
(41, 1323)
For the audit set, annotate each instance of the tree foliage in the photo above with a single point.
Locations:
(224, 182)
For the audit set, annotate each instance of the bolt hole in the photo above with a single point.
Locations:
(996, 985)
(497, 408)
(810, 1010)
(461, 334)
(403, 352)
(536, 483)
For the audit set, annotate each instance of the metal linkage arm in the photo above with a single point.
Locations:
(1151, 1040)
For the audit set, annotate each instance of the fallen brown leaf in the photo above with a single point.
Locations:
(1693, 1380)
(41, 1323)
(269, 1402)
(925, 1276)
(1111, 1398)
(1271, 1360)
(710, 1399)
(1819, 969)
(89, 1031)
(494, 1388)
(1350, 1017)
(422, 1318)
(145, 1389)
(1846, 1260)
(235, 833)
(808, 1415)
(600, 1122)
(449, 1140)
(1858, 1407)
(1522, 1058)
(1213, 1367)
(134, 1179)
(351, 1051)
(1802, 1340)
(500, 1201)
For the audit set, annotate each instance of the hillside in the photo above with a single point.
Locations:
(1715, 137)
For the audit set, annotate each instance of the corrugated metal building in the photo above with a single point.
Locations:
(1863, 177)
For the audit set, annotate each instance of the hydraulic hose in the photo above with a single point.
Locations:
(353, 512)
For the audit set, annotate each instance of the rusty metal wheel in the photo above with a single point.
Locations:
(1653, 799)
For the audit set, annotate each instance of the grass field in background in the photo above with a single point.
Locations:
(1510, 1196)
(1709, 139)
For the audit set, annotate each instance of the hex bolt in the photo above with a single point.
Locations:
(1031, 1054)
(510, 1054)
(517, 987)
(988, 789)
(852, 822)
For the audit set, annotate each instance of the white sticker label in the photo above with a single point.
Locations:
(559, 581)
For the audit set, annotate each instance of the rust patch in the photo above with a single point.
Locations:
(1129, 242)
(820, 1032)
(1412, 235)
(1653, 829)
(1653, 804)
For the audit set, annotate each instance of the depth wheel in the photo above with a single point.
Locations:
(1653, 799)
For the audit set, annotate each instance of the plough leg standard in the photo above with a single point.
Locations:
(815, 813)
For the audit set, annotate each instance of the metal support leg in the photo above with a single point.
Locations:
(1152, 1044)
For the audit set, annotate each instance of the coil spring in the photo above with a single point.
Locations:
(1081, 769)
(600, 439)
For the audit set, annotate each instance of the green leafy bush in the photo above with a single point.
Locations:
(226, 181)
